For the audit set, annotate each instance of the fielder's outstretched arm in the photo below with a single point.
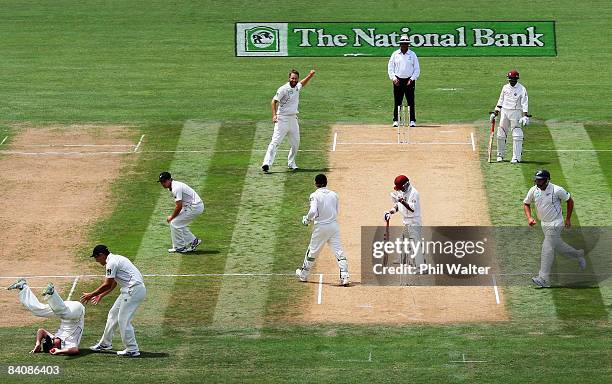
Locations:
(65, 351)
(108, 285)
(305, 80)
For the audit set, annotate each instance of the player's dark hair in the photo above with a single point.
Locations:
(321, 180)
(294, 71)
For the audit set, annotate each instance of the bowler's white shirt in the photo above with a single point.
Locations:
(123, 271)
(412, 198)
(548, 202)
(323, 206)
(183, 192)
(288, 99)
(404, 65)
(514, 97)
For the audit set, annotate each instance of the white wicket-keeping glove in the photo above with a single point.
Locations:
(524, 121)
(305, 220)
(387, 216)
(492, 117)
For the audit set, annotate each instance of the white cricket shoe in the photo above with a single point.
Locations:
(101, 347)
(412, 123)
(300, 275)
(19, 284)
(395, 124)
(126, 353)
(293, 167)
(500, 159)
(540, 282)
(194, 244)
(345, 281)
(514, 161)
(581, 260)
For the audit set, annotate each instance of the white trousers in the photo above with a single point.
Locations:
(553, 242)
(286, 126)
(121, 315)
(181, 235)
(412, 232)
(321, 234)
(509, 124)
(56, 307)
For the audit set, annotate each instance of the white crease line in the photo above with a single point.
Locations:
(320, 288)
(495, 289)
(140, 142)
(74, 284)
(64, 153)
(473, 142)
(10, 152)
(165, 275)
(76, 145)
(3, 140)
(335, 141)
(467, 361)
(411, 143)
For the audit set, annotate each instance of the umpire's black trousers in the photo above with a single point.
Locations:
(399, 91)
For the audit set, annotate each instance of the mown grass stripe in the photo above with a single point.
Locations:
(152, 256)
(241, 302)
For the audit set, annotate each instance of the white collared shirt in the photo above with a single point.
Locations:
(548, 202)
(323, 206)
(412, 198)
(288, 99)
(404, 65)
(186, 194)
(514, 97)
(123, 271)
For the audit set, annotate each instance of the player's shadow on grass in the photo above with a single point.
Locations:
(299, 170)
(535, 162)
(204, 252)
(113, 354)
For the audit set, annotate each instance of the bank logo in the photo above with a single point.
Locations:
(262, 39)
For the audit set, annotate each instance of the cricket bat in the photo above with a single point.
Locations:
(490, 147)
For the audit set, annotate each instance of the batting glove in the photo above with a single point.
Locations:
(387, 216)
(524, 121)
(305, 220)
(492, 117)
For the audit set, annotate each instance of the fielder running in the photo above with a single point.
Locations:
(547, 197)
(71, 313)
(119, 270)
(188, 205)
(284, 116)
(323, 211)
(405, 200)
(514, 106)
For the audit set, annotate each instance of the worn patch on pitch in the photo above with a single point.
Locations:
(54, 188)
(442, 164)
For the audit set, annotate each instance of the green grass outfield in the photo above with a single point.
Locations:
(169, 69)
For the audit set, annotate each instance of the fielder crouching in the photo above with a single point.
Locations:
(323, 211)
(405, 200)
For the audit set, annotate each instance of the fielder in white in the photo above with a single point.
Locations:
(514, 106)
(188, 206)
(547, 197)
(71, 313)
(119, 270)
(284, 116)
(406, 201)
(323, 211)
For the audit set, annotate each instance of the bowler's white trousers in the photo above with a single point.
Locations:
(553, 242)
(121, 314)
(181, 235)
(321, 234)
(287, 125)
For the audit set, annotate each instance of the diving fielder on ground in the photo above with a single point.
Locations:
(547, 197)
(323, 211)
(71, 313)
(514, 106)
(405, 200)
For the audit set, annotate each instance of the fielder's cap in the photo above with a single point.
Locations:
(404, 39)
(98, 249)
(542, 174)
(400, 181)
(164, 176)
